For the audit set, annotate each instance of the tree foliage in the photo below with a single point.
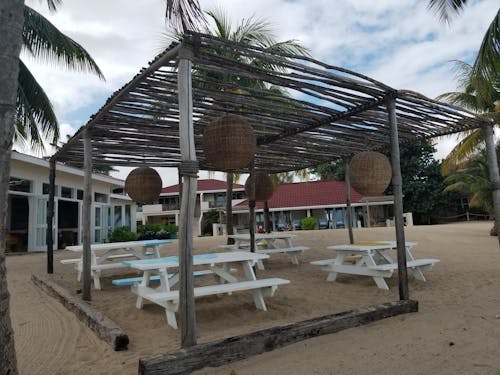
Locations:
(334, 170)
(36, 120)
(423, 185)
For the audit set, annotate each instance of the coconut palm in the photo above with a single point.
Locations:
(11, 25)
(480, 96)
(487, 64)
(184, 15)
(36, 120)
(472, 178)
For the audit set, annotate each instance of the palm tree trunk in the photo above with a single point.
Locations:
(229, 207)
(11, 26)
(267, 217)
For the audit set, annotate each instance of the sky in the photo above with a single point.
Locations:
(400, 43)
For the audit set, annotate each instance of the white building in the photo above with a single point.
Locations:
(28, 197)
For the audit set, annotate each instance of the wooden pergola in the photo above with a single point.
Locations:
(304, 112)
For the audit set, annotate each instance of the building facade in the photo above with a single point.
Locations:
(324, 200)
(28, 198)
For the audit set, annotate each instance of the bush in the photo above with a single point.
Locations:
(157, 231)
(308, 223)
(172, 228)
(122, 234)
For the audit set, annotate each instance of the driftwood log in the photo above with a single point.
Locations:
(236, 348)
(103, 327)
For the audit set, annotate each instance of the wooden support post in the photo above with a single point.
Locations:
(251, 207)
(50, 217)
(179, 179)
(397, 187)
(87, 206)
(494, 176)
(348, 201)
(189, 183)
(267, 214)
(229, 206)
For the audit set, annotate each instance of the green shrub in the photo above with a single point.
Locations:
(172, 228)
(308, 223)
(122, 234)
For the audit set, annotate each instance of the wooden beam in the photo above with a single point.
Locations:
(218, 353)
(103, 327)
(397, 188)
(186, 141)
(348, 201)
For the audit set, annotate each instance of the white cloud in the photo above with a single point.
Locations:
(400, 43)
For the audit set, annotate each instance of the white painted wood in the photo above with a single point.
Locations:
(371, 259)
(411, 264)
(86, 215)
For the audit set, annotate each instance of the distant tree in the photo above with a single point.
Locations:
(334, 170)
(423, 185)
(473, 179)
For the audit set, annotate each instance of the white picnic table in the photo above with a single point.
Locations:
(266, 243)
(218, 263)
(372, 259)
(104, 255)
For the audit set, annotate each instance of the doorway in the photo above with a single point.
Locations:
(17, 223)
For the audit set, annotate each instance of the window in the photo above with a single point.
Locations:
(79, 194)
(128, 220)
(118, 216)
(97, 217)
(20, 184)
(66, 192)
(100, 198)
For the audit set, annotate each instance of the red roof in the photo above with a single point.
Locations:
(203, 185)
(308, 194)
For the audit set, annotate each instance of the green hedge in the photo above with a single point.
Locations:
(308, 223)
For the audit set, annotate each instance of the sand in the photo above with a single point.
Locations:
(456, 331)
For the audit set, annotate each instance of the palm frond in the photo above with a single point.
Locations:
(222, 24)
(45, 42)
(446, 9)
(184, 15)
(487, 64)
(53, 4)
(461, 152)
(34, 112)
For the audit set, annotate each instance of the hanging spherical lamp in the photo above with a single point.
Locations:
(143, 185)
(370, 173)
(229, 143)
(264, 187)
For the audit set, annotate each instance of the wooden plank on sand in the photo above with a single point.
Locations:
(103, 327)
(236, 348)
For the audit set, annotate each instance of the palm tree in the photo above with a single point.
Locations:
(184, 15)
(11, 26)
(487, 64)
(36, 120)
(480, 96)
(472, 178)
(255, 32)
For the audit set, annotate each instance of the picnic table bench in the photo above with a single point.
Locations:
(104, 256)
(371, 259)
(218, 263)
(265, 243)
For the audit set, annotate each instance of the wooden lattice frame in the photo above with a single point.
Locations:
(328, 113)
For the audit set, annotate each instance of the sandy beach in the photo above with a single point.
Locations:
(456, 331)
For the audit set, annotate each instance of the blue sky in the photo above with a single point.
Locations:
(400, 43)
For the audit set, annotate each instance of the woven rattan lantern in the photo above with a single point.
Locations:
(143, 185)
(229, 143)
(264, 186)
(370, 173)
